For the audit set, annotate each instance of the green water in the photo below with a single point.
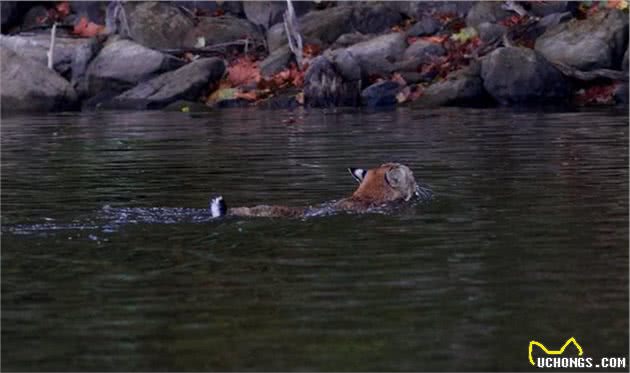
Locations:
(526, 238)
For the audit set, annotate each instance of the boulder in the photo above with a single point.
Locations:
(158, 25)
(347, 65)
(11, 13)
(422, 51)
(36, 47)
(621, 93)
(349, 39)
(426, 25)
(82, 58)
(595, 42)
(185, 83)
(276, 61)
(460, 88)
(325, 85)
(323, 27)
(416, 9)
(224, 29)
(545, 8)
(486, 11)
(208, 8)
(380, 94)
(122, 64)
(30, 86)
(489, 32)
(268, 13)
(374, 18)
(35, 17)
(376, 56)
(522, 75)
(624, 62)
(317, 26)
(414, 77)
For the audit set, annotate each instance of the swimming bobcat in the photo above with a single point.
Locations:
(378, 187)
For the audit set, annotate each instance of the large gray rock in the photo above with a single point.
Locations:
(349, 39)
(521, 75)
(325, 84)
(376, 56)
(426, 25)
(323, 27)
(545, 8)
(268, 13)
(28, 85)
(596, 42)
(486, 11)
(158, 25)
(35, 47)
(185, 83)
(276, 61)
(11, 13)
(380, 94)
(489, 32)
(122, 64)
(224, 29)
(460, 88)
(374, 18)
(422, 51)
(416, 9)
(318, 27)
(621, 93)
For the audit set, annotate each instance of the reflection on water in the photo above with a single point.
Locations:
(526, 238)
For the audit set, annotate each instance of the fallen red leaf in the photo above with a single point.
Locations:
(87, 29)
(63, 8)
(243, 71)
(597, 95)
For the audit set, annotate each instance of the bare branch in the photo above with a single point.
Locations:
(590, 75)
(51, 50)
(291, 27)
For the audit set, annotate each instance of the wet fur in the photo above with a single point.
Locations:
(388, 184)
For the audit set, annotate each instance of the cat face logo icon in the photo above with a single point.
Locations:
(553, 352)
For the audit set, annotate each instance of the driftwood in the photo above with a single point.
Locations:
(116, 19)
(590, 75)
(215, 49)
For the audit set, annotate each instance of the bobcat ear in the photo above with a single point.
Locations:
(357, 173)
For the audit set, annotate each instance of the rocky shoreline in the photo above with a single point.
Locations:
(200, 55)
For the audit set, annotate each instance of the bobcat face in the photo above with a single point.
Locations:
(389, 182)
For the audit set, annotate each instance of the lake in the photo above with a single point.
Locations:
(526, 239)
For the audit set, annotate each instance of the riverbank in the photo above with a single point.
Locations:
(196, 56)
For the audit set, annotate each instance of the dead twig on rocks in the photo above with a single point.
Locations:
(291, 27)
(215, 49)
(589, 75)
(51, 50)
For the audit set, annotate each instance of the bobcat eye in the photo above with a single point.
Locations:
(357, 173)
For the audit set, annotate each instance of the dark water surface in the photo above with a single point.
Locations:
(526, 238)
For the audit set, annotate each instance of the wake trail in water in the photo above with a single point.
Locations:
(110, 219)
